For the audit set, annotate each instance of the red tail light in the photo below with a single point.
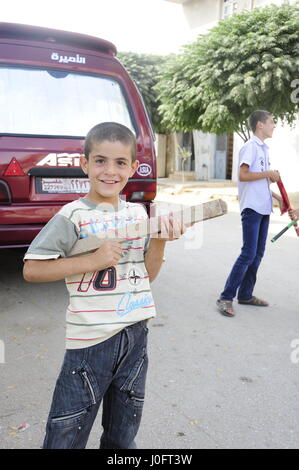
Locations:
(14, 169)
(140, 191)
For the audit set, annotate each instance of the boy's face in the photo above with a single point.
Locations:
(267, 127)
(108, 167)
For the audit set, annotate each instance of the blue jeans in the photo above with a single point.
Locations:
(115, 371)
(243, 274)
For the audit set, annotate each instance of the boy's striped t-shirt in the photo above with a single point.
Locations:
(103, 302)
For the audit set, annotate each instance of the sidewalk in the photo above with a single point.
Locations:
(224, 189)
(193, 192)
(204, 190)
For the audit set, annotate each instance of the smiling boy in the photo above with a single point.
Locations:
(110, 299)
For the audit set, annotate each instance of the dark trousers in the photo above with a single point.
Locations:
(242, 277)
(113, 371)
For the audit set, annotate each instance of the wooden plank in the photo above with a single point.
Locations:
(189, 215)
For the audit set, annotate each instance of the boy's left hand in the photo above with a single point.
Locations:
(293, 213)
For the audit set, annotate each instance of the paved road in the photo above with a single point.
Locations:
(214, 382)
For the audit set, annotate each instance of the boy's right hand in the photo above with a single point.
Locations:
(274, 176)
(107, 255)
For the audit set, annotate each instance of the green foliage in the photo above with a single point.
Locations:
(145, 70)
(246, 62)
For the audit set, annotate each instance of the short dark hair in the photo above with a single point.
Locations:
(258, 116)
(113, 132)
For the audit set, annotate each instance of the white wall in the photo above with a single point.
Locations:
(284, 153)
(202, 13)
(204, 150)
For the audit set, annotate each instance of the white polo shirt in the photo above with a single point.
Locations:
(255, 195)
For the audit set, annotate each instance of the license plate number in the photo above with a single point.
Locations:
(64, 185)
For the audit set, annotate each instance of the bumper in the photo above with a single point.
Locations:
(31, 219)
(13, 236)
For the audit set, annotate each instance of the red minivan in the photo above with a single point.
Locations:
(54, 86)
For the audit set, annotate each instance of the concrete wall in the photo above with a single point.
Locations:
(171, 153)
(204, 150)
(201, 14)
(167, 154)
(160, 146)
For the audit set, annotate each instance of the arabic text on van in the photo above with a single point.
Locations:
(65, 59)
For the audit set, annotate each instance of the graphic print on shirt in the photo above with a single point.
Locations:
(135, 277)
(100, 280)
(85, 282)
(263, 163)
(102, 224)
(105, 279)
(128, 303)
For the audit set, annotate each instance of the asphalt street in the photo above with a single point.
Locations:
(213, 382)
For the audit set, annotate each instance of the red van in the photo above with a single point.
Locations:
(54, 86)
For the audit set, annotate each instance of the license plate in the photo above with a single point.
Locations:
(64, 185)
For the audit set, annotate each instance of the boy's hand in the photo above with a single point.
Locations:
(107, 255)
(274, 176)
(171, 229)
(293, 213)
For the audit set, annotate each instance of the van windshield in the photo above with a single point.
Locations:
(50, 102)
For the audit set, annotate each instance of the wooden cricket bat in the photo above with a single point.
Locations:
(188, 215)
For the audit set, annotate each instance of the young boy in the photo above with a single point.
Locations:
(255, 200)
(110, 299)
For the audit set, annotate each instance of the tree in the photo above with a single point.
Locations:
(249, 61)
(145, 70)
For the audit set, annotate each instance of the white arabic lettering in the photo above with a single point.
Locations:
(66, 59)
